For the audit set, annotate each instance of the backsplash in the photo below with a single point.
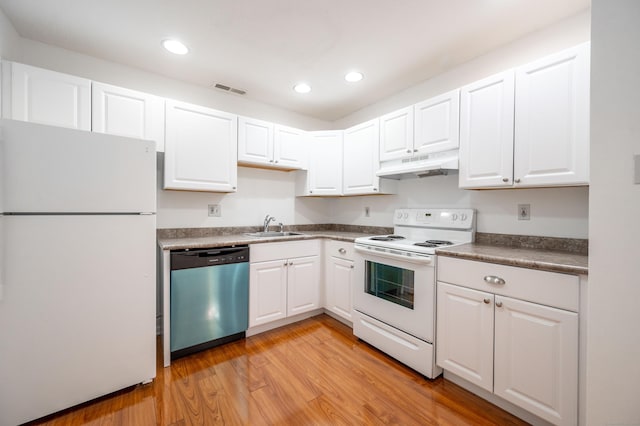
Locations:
(570, 245)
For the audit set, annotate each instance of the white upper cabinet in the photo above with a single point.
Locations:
(255, 141)
(124, 112)
(200, 148)
(324, 177)
(361, 161)
(486, 132)
(552, 120)
(264, 144)
(437, 122)
(46, 97)
(396, 134)
(528, 127)
(289, 147)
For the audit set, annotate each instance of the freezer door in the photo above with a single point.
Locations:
(53, 169)
(78, 312)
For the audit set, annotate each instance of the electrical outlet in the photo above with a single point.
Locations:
(524, 211)
(367, 212)
(215, 210)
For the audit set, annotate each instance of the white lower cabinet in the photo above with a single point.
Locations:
(284, 280)
(339, 278)
(497, 329)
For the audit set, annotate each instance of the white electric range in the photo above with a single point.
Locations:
(394, 293)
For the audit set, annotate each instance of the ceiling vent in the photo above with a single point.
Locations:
(229, 89)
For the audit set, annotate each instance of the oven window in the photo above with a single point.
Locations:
(390, 283)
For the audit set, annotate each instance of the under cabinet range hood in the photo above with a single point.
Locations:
(439, 163)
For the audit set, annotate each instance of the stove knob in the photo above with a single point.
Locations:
(399, 215)
(454, 216)
(406, 215)
(463, 216)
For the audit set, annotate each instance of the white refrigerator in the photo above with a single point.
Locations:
(77, 267)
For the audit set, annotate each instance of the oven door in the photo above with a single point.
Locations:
(399, 292)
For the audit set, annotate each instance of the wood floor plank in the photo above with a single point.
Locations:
(314, 372)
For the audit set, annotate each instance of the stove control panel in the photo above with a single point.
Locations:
(435, 218)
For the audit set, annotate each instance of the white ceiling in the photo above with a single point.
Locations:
(266, 46)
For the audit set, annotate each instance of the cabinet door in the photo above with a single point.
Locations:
(360, 158)
(486, 132)
(536, 359)
(552, 120)
(267, 292)
(124, 112)
(46, 97)
(325, 163)
(255, 141)
(437, 123)
(338, 285)
(200, 149)
(289, 147)
(464, 334)
(303, 290)
(396, 134)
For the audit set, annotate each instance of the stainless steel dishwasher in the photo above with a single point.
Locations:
(209, 298)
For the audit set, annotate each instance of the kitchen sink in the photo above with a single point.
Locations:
(270, 234)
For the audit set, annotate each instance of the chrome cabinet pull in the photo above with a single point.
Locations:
(517, 180)
(342, 251)
(492, 279)
(505, 179)
(351, 266)
(499, 304)
(487, 300)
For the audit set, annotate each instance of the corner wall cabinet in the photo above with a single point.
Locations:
(45, 97)
(324, 177)
(284, 280)
(512, 332)
(360, 159)
(264, 144)
(528, 127)
(200, 149)
(124, 112)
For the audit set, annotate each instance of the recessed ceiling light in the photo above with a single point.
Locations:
(302, 88)
(354, 76)
(174, 46)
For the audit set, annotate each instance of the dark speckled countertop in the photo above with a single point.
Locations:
(532, 258)
(193, 238)
(239, 239)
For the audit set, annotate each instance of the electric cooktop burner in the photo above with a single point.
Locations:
(387, 238)
(434, 243)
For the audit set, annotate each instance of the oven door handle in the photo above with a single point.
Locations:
(421, 259)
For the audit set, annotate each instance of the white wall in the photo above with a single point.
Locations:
(613, 342)
(556, 212)
(260, 192)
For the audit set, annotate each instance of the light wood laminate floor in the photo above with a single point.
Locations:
(314, 372)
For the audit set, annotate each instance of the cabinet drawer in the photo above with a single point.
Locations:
(284, 250)
(547, 288)
(340, 249)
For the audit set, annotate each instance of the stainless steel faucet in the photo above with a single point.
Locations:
(267, 220)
